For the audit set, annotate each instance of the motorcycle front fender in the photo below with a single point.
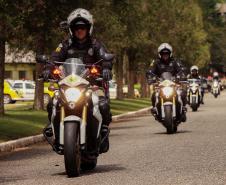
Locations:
(168, 104)
(76, 120)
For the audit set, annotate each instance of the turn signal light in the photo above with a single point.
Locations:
(94, 70)
(56, 71)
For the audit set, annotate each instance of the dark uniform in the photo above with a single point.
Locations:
(89, 51)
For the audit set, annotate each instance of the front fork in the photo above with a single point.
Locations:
(82, 121)
(163, 104)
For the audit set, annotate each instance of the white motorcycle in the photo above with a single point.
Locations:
(194, 94)
(215, 88)
(168, 102)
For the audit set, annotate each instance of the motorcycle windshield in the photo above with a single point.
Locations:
(191, 81)
(73, 66)
(166, 76)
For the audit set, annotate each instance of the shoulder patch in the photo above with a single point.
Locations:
(90, 51)
(58, 49)
(152, 63)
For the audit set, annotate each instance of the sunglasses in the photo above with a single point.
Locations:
(80, 27)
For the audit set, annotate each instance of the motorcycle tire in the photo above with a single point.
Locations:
(72, 155)
(194, 107)
(168, 122)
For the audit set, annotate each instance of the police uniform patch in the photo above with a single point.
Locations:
(90, 51)
(152, 64)
(71, 51)
(58, 49)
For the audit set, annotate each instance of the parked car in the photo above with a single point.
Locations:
(10, 94)
(26, 89)
(112, 89)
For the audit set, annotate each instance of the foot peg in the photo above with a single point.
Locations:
(48, 131)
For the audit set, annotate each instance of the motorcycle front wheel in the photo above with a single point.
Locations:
(168, 122)
(72, 155)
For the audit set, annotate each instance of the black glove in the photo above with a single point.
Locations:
(107, 75)
(46, 74)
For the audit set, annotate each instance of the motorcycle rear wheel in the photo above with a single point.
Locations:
(72, 155)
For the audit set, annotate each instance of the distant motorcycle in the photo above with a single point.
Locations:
(194, 94)
(168, 102)
(215, 88)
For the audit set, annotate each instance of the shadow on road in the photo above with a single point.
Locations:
(178, 132)
(98, 169)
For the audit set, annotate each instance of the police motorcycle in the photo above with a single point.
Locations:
(194, 93)
(168, 102)
(215, 89)
(80, 118)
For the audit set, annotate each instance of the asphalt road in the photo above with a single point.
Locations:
(141, 153)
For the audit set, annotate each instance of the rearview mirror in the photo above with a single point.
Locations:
(41, 59)
(64, 25)
(106, 56)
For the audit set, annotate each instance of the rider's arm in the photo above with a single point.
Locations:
(179, 69)
(152, 72)
(60, 53)
(100, 50)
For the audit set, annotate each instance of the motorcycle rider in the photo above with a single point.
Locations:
(194, 74)
(217, 78)
(166, 63)
(81, 44)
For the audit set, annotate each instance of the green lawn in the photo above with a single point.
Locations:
(21, 121)
(128, 105)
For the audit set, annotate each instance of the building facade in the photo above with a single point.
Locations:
(19, 65)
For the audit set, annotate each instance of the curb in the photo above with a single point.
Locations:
(23, 142)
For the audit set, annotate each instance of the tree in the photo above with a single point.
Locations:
(10, 29)
(42, 32)
(214, 24)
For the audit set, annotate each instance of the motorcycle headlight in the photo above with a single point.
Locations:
(215, 84)
(193, 89)
(167, 91)
(72, 94)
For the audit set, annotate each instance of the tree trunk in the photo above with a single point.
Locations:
(143, 86)
(39, 87)
(119, 76)
(131, 58)
(2, 72)
(131, 84)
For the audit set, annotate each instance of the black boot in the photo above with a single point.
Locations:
(104, 146)
(154, 111)
(183, 116)
(48, 131)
